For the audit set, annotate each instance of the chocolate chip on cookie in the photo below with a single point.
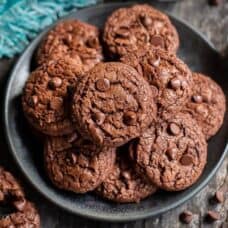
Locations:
(166, 73)
(139, 27)
(75, 164)
(75, 39)
(23, 213)
(171, 161)
(112, 104)
(207, 104)
(123, 185)
(45, 96)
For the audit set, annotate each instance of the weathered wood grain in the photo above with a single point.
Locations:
(213, 23)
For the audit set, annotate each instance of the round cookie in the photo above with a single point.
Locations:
(74, 39)
(24, 213)
(170, 78)
(123, 185)
(75, 164)
(139, 27)
(112, 104)
(45, 96)
(172, 154)
(207, 104)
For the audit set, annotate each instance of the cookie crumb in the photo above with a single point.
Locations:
(186, 217)
(219, 196)
(213, 216)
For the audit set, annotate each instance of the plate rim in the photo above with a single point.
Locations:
(12, 149)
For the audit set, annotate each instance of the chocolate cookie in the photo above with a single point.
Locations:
(139, 27)
(123, 185)
(207, 104)
(173, 153)
(75, 39)
(170, 77)
(112, 104)
(45, 96)
(75, 164)
(12, 196)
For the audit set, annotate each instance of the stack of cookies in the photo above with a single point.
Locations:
(122, 115)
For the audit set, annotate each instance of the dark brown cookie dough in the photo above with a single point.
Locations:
(23, 213)
(45, 96)
(173, 153)
(123, 185)
(75, 164)
(113, 104)
(139, 27)
(170, 77)
(74, 39)
(207, 104)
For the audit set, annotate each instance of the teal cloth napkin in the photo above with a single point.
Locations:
(21, 20)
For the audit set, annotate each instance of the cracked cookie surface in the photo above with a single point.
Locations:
(45, 96)
(23, 213)
(75, 164)
(172, 154)
(113, 104)
(123, 185)
(139, 27)
(207, 105)
(75, 39)
(170, 78)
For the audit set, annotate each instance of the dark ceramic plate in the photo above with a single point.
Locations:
(195, 50)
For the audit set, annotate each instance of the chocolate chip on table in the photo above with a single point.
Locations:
(174, 129)
(186, 160)
(213, 216)
(215, 2)
(219, 196)
(103, 84)
(186, 217)
(55, 82)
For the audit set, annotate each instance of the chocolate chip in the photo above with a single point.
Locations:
(20, 205)
(219, 196)
(184, 84)
(55, 82)
(146, 20)
(72, 137)
(186, 160)
(126, 175)
(92, 42)
(129, 118)
(33, 100)
(99, 118)
(171, 152)
(103, 84)
(197, 98)
(213, 216)
(186, 217)
(175, 84)
(215, 2)
(157, 41)
(72, 157)
(174, 129)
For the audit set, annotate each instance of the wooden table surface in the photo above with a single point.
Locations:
(213, 23)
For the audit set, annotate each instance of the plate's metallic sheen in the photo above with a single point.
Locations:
(195, 50)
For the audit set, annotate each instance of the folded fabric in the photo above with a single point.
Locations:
(21, 20)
